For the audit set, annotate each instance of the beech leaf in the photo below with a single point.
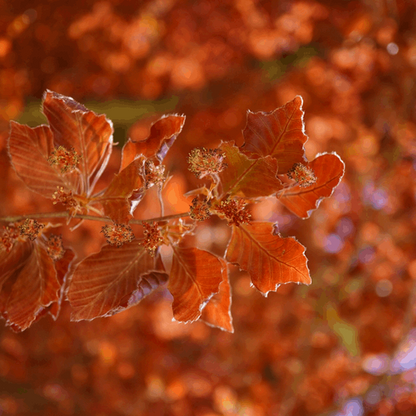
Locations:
(91, 135)
(280, 134)
(28, 283)
(112, 280)
(116, 200)
(194, 278)
(329, 170)
(270, 259)
(29, 150)
(246, 177)
(162, 135)
(217, 312)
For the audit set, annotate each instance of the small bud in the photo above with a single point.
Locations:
(55, 247)
(203, 161)
(234, 211)
(199, 209)
(66, 160)
(152, 237)
(118, 234)
(30, 229)
(153, 174)
(303, 175)
(8, 238)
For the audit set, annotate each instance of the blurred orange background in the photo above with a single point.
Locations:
(344, 346)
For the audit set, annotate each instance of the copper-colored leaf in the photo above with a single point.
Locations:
(29, 150)
(74, 126)
(28, 283)
(329, 170)
(162, 135)
(116, 200)
(270, 259)
(195, 276)
(112, 280)
(279, 133)
(217, 313)
(246, 177)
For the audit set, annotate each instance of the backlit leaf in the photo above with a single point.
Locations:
(112, 280)
(29, 150)
(279, 133)
(195, 276)
(329, 170)
(217, 313)
(28, 283)
(246, 177)
(116, 199)
(270, 259)
(74, 126)
(162, 135)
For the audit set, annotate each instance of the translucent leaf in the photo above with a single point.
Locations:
(217, 313)
(246, 177)
(329, 170)
(162, 135)
(194, 278)
(270, 259)
(280, 133)
(74, 126)
(116, 200)
(29, 150)
(28, 283)
(112, 280)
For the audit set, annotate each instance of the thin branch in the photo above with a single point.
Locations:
(65, 214)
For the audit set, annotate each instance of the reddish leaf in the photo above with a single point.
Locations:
(195, 276)
(112, 280)
(329, 170)
(91, 135)
(29, 150)
(217, 313)
(28, 283)
(116, 200)
(279, 133)
(162, 135)
(270, 259)
(246, 177)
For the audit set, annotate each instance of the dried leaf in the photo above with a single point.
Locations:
(329, 170)
(280, 134)
(217, 313)
(112, 280)
(28, 283)
(270, 259)
(116, 200)
(91, 135)
(162, 135)
(29, 150)
(246, 177)
(194, 278)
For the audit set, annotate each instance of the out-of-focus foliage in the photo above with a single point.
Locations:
(344, 345)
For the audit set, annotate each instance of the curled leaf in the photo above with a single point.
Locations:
(329, 170)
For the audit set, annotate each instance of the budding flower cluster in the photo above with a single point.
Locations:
(30, 229)
(8, 238)
(203, 161)
(55, 247)
(66, 198)
(199, 210)
(234, 211)
(153, 175)
(152, 237)
(303, 175)
(66, 160)
(118, 234)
